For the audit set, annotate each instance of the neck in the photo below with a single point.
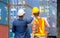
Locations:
(37, 17)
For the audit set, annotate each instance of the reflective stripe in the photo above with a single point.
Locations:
(39, 34)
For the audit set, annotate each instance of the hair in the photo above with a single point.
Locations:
(36, 14)
(21, 16)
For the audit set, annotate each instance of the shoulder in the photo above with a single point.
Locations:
(42, 18)
(15, 21)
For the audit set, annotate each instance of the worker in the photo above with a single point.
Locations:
(38, 25)
(20, 27)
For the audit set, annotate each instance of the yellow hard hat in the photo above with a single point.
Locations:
(35, 10)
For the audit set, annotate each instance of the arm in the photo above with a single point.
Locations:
(29, 20)
(33, 29)
(46, 24)
(13, 27)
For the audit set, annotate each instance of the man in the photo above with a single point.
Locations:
(38, 25)
(20, 27)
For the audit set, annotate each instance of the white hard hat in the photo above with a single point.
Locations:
(21, 12)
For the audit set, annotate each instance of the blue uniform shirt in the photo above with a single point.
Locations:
(20, 27)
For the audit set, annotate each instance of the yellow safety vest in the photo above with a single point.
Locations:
(41, 27)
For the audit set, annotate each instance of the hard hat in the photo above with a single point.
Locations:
(35, 10)
(21, 12)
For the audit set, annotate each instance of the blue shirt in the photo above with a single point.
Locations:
(20, 27)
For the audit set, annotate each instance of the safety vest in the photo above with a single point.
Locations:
(41, 27)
